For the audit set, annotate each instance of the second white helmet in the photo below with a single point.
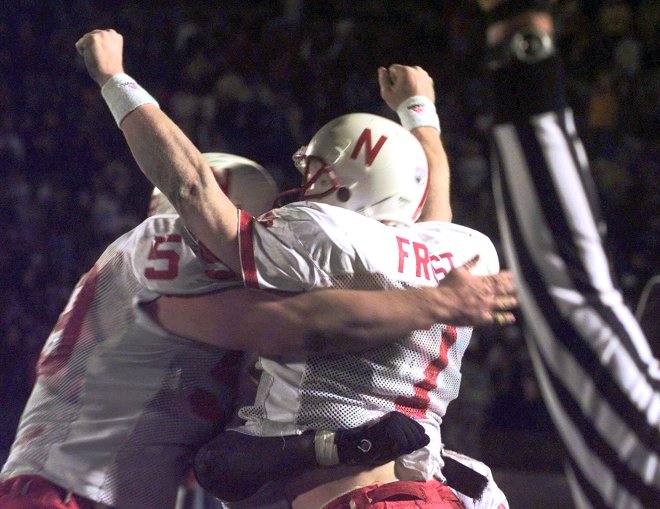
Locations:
(368, 164)
(247, 184)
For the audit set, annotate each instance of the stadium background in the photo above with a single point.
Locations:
(258, 78)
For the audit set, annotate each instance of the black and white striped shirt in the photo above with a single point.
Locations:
(598, 376)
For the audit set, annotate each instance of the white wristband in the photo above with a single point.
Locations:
(122, 94)
(325, 448)
(418, 111)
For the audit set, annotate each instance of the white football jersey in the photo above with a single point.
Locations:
(119, 406)
(307, 245)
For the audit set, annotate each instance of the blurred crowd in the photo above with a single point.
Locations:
(258, 78)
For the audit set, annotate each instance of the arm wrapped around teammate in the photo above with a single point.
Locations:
(226, 468)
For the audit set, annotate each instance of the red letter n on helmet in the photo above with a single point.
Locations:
(371, 152)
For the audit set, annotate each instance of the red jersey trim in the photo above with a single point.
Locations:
(416, 406)
(418, 212)
(246, 249)
(70, 323)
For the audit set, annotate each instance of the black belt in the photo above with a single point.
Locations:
(464, 479)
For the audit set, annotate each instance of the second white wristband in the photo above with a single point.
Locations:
(418, 111)
(123, 94)
(325, 448)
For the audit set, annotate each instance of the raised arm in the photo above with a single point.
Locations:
(327, 321)
(162, 151)
(409, 91)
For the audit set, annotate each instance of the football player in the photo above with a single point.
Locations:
(354, 232)
(120, 405)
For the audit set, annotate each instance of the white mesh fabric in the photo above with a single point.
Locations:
(117, 409)
(312, 245)
(344, 391)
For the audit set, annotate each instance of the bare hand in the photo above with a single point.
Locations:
(399, 82)
(102, 51)
(479, 300)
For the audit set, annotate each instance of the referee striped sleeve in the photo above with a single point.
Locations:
(596, 371)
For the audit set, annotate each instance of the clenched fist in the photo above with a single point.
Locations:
(399, 82)
(102, 51)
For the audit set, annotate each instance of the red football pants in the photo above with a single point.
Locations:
(34, 492)
(399, 495)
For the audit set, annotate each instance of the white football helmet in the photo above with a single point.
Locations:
(365, 163)
(247, 184)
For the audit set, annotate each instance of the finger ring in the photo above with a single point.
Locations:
(498, 318)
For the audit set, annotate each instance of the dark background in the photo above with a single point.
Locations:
(258, 78)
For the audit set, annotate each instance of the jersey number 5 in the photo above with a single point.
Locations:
(161, 252)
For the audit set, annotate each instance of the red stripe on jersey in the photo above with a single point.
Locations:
(418, 212)
(70, 323)
(248, 265)
(416, 406)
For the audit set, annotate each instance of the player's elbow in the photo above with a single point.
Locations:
(210, 467)
(187, 193)
(225, 468)
(192, 186)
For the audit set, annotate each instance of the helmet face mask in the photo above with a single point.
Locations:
(319, 179)
(247, 184)
(367, 164)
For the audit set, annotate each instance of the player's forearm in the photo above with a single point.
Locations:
(163, 152)
(225, 466)
(312, 322)
(346, 321)
(410, 92)
(437, 206)
(351, 320)
(167, 157)
(173, 164)
(325, 321)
